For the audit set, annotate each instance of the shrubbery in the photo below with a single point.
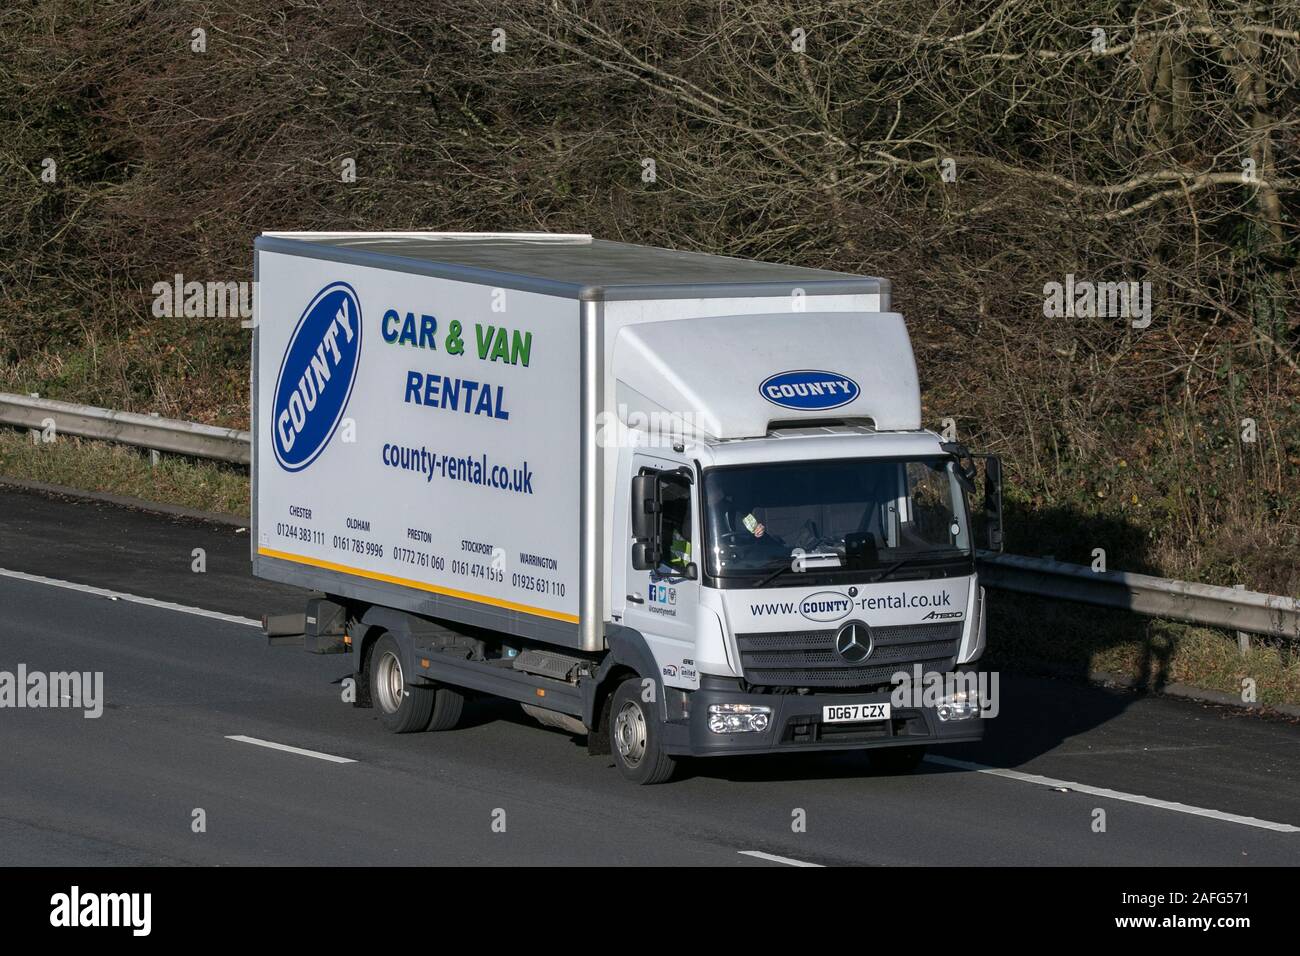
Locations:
(1112, 156)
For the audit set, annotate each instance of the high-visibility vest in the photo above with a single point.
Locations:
(679, 552)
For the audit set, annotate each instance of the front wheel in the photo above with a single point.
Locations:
(636, 737)
(448, 704)
(402, 709)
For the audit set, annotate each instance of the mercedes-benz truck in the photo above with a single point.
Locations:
(681, 504)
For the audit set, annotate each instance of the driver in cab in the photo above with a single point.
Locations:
(744, 522)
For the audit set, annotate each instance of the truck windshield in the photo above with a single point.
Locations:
(860, 515)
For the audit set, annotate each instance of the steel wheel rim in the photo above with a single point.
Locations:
(390, 684)
(630, 733)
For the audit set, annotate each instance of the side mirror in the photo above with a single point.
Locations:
(642, 560)
(647, 543)
(993, 500)
(966, 471)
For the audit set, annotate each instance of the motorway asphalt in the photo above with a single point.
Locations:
(123, 788)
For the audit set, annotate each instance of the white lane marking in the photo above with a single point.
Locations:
(132, 598)
(760, 855)
(1115, 795)
(287, 749)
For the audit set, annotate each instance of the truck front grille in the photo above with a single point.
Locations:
(809, 659)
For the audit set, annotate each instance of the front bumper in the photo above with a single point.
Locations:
(797, 724)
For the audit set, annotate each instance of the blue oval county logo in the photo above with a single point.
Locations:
(825, 606)
(809, 390)
(316, 376)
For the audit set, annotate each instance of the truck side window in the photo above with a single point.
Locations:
(675, 497)
(930, 506)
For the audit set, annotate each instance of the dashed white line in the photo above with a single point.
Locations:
(287, 749)
(132, 598)
(1114, 794)
(773, 858)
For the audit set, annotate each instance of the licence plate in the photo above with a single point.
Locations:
(850, 713)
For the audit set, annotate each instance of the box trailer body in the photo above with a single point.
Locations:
(484, 449)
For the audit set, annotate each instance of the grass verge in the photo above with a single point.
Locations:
(123, 470)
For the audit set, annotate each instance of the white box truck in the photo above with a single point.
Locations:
(680, 503)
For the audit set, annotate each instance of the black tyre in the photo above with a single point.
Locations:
(896, 760)
(402, 709)
(447, 707)
(636, 737)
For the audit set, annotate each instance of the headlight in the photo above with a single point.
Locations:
(739, 718)
(962, 705)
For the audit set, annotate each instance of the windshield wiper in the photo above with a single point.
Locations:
(901, 562)
(775, 573)
(891, 569)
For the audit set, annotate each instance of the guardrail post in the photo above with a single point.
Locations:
(34, 432)
(1243, 639)
(153, 452)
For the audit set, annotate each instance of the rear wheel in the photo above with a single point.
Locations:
(636, 737)
(447, 707)
(896, 759)
(402, 709)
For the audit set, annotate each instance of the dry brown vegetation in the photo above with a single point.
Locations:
(1114, 158)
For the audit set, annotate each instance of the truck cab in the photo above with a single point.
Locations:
(788, 562)
(783, 583)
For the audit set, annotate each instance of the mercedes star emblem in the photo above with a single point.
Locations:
(853, 642)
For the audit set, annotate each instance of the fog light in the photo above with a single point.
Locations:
(962, 705)
(739, 718)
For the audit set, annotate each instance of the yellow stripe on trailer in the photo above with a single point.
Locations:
(420, 585)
